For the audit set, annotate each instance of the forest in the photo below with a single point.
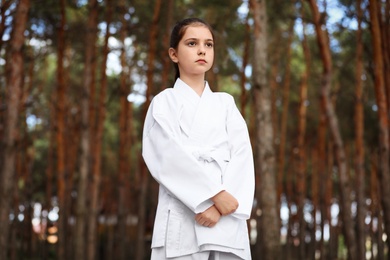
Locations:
(311, 78)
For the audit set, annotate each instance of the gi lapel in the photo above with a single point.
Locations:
(189, 101)
(201, 117)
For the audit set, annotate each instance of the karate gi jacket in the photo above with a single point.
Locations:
(195, 147)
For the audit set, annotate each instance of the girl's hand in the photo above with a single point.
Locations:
(209, 217)
(225, 203)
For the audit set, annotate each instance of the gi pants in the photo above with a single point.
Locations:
(159, 254)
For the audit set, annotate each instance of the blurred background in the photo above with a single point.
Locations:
(311, 78)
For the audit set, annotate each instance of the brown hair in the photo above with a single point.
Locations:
(178, 33)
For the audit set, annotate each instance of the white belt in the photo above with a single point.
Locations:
(210, 154)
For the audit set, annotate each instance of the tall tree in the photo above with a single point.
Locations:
(81, 204)
(98, 140)
(245, 59)
(273, 76)
(375, 207)
(359, 139)
(264, 146)
(380, 93)
(166, 61)
(328, 110)
(60, 136)
(14, 82)
(285, 104)
(384, 25)
(301, 153)
(143, 171)
(123, 137)
(283, 126)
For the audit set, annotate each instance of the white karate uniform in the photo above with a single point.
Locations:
(194, 148)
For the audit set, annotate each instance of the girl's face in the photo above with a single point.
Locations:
(195, 51)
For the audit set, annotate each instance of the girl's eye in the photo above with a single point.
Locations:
(210, 45)
(191, 43)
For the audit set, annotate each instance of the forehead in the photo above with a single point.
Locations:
(198, 32)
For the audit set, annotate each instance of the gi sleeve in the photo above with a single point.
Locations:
(239, 179)
(170, 164)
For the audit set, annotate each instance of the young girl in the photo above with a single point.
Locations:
(196, 146)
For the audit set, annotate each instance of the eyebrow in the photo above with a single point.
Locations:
(197, 39)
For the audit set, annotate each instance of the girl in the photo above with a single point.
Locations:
(196, 146)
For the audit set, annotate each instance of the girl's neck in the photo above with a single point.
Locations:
(196, 83)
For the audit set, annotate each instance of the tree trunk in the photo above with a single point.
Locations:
(322, 177)
(300, 153)
(123, 140)
(140, 252)
(334, 230)
(380, 93)
(14, 87)
(97, 140)
(376, 209)
(316, 207)
(328, 110)
(268, 222)
(81, 203)
(60, 136)
(27, 154)
(283, 120)
(143, 187)
(164, 54)
(73, 137)
(152, 55)
(385, 36)
(28, 149)
(359, 141)
(289, 179)
(49, 171)
(245, 58)
(274, 71)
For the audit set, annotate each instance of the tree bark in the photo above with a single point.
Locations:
(268, 222)
(375, 208)
(60, 136)
(384, 24)
(359, 140)
(152, 54)
(283, 120)
(300, 153)
(328, 110)
(81, 203)
(123, 140)
(73, 137)
(274, 72)
(380, 93)
(245, 58)
(334, 230)
(165, 58)
(322, 177)
(97, 140)
(144, 178)
(289, 177)
(14, 83)
(316, 206)
(49, 170)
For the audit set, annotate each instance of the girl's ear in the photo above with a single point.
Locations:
(173, 55)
